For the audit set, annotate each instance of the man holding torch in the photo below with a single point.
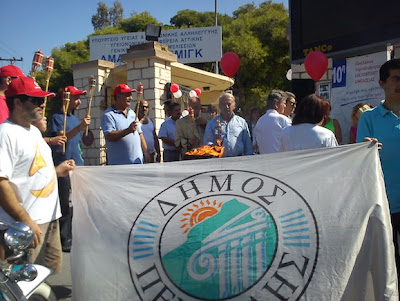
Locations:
(73, 131)
(124, 136)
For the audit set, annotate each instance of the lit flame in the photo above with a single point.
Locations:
(212, 150)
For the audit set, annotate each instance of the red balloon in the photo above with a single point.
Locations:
(198, 91)
(174, 88)
(316, 64)
(230, 63)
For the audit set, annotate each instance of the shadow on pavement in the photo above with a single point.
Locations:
(62, 292)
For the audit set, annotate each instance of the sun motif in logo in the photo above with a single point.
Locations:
(199, 212)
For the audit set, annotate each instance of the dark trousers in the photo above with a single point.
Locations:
(64, 186)
(395, 217)
(170, 155)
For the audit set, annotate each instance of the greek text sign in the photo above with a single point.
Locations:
(191, 45)
(355, 80)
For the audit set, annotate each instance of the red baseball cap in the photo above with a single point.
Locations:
(74, 91)
(26, 86)
(11, 71)
(123, 88)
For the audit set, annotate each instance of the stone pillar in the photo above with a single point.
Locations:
(150, 63)
(94, 154)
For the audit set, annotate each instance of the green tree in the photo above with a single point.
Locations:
(258, 37)
(244, 9)
(116, 13)
(107, 30)
(191, 18)
(101, 19)
(138, 22)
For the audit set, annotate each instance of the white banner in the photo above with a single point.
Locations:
(355, 80)
(307, 225)
(191, 45)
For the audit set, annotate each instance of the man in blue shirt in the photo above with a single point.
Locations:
(124, 137)
(383, 123)
(231, 129)
(73, 129)
(167, 133)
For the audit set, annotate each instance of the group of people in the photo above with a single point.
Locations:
(34, 170)
(278, 131)
(260, 135)
(34, 177)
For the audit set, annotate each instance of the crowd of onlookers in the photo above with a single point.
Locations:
(285, 125)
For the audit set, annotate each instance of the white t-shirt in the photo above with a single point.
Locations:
(267, 132)
(306, 136)
(26, 161)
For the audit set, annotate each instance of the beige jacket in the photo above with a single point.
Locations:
(188, 131)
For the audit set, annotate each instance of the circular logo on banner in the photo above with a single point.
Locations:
(224, 235)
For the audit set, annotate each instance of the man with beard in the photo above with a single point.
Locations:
(28, 180)
(124, 137)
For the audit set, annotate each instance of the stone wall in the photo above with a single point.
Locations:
(94, 154)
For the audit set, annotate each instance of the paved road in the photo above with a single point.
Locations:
(61, 283)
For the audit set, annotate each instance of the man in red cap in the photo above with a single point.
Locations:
(7, 74)
(124, 136)
(28, 179)
(74, 128)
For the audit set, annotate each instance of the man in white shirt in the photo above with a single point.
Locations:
(290, 105)
(28, 179)
(267, 132)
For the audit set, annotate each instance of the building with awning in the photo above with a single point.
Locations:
(211, 84)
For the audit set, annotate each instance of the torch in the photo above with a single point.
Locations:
(139, 98)
(66, 99)
(92, 84)
(49, 69)
(191, 115)
(36, 63)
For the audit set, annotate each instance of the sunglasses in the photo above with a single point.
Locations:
(36, 100)
(145, 107)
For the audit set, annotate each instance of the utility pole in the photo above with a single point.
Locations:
(216, 24)
(12, 60)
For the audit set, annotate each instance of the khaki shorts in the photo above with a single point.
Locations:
(48, 252)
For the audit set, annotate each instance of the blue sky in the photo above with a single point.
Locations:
(44, 24)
